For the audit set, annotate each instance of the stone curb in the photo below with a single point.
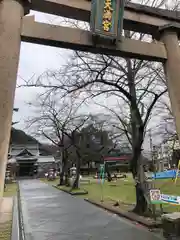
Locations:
(128, 215)
(22, 234)
(85, 192)
(15, 231)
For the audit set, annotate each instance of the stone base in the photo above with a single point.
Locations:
(171, 225)
(6, 205)
(71, 182)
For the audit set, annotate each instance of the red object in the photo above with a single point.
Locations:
(121, 158)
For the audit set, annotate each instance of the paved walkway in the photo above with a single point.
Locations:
(50, 214)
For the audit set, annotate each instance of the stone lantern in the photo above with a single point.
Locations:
(73, 172)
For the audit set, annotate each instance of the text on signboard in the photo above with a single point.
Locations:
(107, 15)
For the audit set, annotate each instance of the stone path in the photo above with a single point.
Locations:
(49, 214)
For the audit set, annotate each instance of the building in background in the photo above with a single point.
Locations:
(29, 160)
(166, 155)
(173, 151)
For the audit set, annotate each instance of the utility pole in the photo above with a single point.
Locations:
(151, 144)
(152, 149)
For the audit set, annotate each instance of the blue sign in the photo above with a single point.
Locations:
(170, 199)
(107, 18)
(157, 197)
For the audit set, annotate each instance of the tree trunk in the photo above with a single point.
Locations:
(89, 168)
(66, 175)
(137, 167)
(141, 206)
(141, 203)
(108, 172)
(137, 131)
(64, 163)
(61, 179)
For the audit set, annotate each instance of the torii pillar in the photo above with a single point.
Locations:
(169, 36)
(11, 14)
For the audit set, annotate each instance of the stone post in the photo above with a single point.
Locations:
(11, 13)
(169, 36)
(171, 225)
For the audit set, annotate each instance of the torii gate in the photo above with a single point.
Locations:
(161, 24)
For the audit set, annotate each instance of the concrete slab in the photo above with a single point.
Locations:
(52, 214)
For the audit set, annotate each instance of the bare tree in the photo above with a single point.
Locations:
(137, 83)
(54, 119)
(91, 133)
(166, 127)
(120, 122)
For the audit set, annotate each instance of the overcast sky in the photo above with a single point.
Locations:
(34, 61)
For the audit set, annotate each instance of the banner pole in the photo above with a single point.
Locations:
(177, 172)
(102, 169)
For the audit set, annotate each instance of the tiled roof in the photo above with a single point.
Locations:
(15, 150)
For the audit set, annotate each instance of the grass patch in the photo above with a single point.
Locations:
(79, 191)
(11, 190)
(69, 189)
(168, 186)
(5, 230)
(120, 190)
(123, 190)
(65, 188)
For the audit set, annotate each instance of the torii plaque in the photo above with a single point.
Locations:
(106, 20)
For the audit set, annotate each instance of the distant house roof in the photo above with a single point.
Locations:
(40, 159)
(116, 159)
(15, 152)
(19, 149)
(45, 159)
(26, 158)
